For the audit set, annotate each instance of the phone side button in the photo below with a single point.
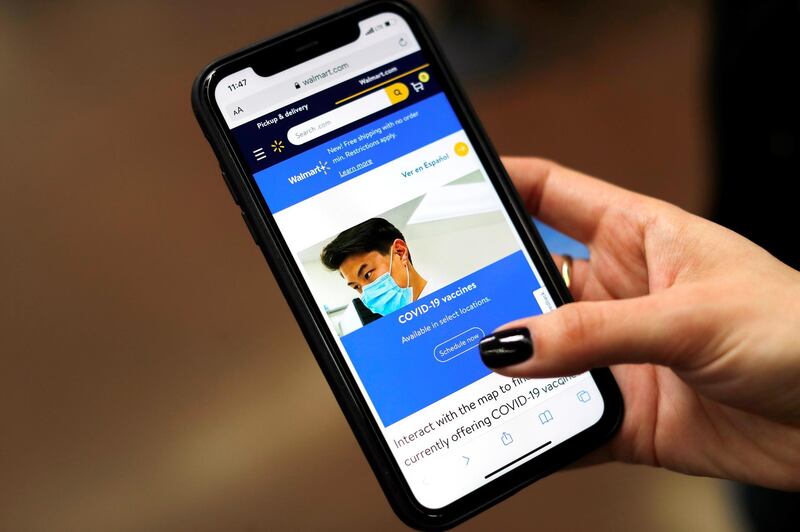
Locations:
(228, 184)
(250, 228)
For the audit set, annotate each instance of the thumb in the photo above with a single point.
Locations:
(580, 336)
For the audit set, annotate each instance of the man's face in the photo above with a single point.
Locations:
(361, 269)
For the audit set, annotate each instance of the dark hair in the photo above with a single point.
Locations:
(376, 234)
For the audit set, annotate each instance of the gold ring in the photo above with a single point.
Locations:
(566, 269)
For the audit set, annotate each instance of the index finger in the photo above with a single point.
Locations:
(569, 201)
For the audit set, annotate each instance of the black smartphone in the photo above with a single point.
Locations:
(399, 242)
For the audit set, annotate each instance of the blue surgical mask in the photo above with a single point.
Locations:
(383, 296)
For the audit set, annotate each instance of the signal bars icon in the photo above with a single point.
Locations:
(259, 154)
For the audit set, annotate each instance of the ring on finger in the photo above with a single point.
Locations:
(566, 269)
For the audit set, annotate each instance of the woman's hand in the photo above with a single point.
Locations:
(701, 326)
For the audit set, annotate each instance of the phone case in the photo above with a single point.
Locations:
(316, 332)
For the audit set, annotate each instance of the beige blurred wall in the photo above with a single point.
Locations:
(151, 376)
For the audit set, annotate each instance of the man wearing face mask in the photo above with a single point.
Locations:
(374, 260)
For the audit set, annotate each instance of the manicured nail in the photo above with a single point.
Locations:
(507, 347)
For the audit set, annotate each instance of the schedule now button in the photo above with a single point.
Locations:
(458, 344)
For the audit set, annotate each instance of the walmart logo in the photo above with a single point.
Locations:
(320, 168)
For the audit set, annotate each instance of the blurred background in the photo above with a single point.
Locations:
(151, 375)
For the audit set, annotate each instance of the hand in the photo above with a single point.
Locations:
(701, 328)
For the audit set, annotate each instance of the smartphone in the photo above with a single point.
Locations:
(399, 242)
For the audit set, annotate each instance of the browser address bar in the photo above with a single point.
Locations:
(283, 91)
(347, 114)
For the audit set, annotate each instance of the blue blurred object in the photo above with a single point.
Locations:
(560, 243)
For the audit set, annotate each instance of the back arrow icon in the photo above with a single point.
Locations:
(466, 458)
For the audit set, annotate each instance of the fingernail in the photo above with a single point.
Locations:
(507, 347)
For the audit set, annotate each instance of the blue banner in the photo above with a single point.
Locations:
(427, 350)
(356, 152)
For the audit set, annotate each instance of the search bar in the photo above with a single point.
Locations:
(347, 114)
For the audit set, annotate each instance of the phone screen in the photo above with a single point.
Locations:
(409, 253)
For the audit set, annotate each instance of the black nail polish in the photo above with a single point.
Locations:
(507, 347)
